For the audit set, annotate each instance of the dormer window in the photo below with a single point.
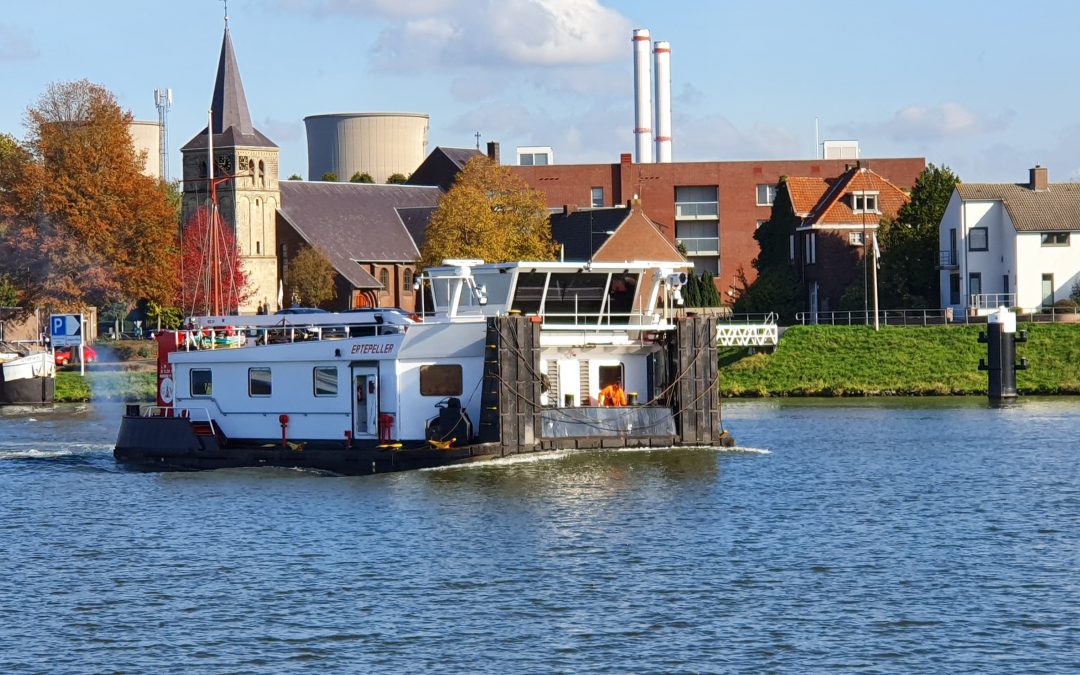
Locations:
(864, 202)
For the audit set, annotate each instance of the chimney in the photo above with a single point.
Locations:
(643, 140)
(662, 63)
(493, 152)
(567, 209)
(624, 158)
(1040, 179)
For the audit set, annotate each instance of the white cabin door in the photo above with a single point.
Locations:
(365, 402)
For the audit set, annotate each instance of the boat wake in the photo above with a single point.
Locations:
(560, 455)
(77, 453)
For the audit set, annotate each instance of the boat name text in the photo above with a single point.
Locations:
(372, 349)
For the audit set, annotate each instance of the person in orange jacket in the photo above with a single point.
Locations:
(613, 394)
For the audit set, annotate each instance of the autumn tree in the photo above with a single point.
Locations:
(490, 214)
(397, 179)
(212, 279)
(310, 277)
(909, 245)
(777, 287)
(83, 224)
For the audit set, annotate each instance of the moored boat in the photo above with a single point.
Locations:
(27, 376)
(508, 358)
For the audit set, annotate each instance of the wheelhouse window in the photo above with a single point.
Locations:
(440, 380)
(977, 239)
(1055, 238)
(325, 381)
(766, 195)
(259, 382)
(202, 382)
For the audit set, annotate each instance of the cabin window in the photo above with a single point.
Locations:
(325, 381)
(444, 380)
(259, 382)
(202, 382)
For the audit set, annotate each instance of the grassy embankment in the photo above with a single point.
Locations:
(811, 361)
(915, 361)
(125, 372)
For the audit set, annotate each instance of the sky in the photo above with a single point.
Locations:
(987, 88)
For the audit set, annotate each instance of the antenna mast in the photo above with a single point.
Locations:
(163, 101)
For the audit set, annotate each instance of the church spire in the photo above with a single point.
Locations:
(229, 105)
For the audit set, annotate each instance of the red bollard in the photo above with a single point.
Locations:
(284, 421)
(386, 427)
(348, 439)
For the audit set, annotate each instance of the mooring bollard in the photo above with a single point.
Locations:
(1000, 364)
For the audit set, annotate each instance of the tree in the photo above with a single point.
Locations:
(84, 225)
(9, 293)
(909, 245)
(329, 177)
(397, 179)
(209, 252)
(490, 214)
(363, 177)
(777, 287)
(296, 176)
(311, 277)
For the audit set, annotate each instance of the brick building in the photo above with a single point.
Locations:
(713, 208)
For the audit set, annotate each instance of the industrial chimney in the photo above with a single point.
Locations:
(642, 97)
(662, 55)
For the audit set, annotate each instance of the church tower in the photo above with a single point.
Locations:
(245, 172)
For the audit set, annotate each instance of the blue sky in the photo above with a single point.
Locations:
(987, 88)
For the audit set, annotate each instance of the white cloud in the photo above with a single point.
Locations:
(945, 121)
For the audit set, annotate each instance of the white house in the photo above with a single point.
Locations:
(1010, 244)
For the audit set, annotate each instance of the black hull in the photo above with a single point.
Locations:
(173, 444)
(28, 391)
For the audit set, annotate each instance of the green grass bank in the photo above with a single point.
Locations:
(895, 361)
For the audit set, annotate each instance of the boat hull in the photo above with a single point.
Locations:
(27, 380)
(176, 444)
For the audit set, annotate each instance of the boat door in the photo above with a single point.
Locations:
(365, 402)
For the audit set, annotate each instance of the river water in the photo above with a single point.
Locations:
(905, 535)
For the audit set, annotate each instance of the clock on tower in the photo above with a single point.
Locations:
(225, 163)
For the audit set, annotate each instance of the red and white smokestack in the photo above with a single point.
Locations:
(662, 55)
(643, 140)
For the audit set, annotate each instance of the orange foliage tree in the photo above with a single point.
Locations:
(83, 224)
(212, 279)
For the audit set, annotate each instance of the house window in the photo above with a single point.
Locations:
(406, 280)
(811, 248)
(1048, 290)
(954, 289)
(596, 197)
(855, 238)
(975, 284)
(864, 202)
(202, 382)
(259, 382)
(697, 202)
(1055, 238)
(440, 380)
(977, 239)
(766, 195)
(697, 223)
(699, 238)
(384, 279)
(325, 381)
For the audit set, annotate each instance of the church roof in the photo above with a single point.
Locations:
(230, 118)
(353, 223)
(442, 166)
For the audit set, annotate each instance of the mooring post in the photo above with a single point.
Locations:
(1000, 364)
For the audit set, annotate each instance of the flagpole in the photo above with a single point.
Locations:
(877, 256)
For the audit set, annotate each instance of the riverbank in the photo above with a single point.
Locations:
(897, 361)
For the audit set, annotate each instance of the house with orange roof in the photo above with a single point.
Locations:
(837, 223)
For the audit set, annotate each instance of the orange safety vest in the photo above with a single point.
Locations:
(613, 395)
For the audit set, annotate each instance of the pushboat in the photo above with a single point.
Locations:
(502, 359)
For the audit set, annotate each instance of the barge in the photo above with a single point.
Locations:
(503, 359)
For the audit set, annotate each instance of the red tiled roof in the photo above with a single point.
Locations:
(833, 204)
